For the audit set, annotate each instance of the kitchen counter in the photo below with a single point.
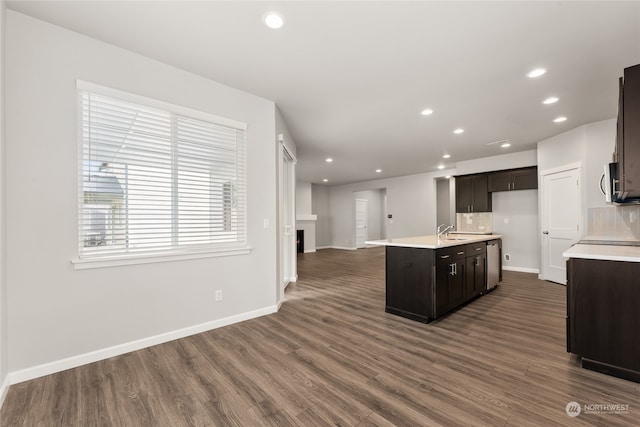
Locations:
(433, 242)
(604, 252)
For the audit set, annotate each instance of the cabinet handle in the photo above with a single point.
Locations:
(444, 256)
(453, 269)
(461, 253)
(478, 249)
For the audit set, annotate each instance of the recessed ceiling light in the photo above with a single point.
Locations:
(559, 119)
(328, 160)
(446, 156)
(550, 100)
(378, 170)
(537, 72)
(459, 130)
(440, 166)
(273, 20)
(426, 112)
(325, 180)
(505, 145)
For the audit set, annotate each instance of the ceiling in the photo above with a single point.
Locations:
(351, 78)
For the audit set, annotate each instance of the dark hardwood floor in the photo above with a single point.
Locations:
(332, 356)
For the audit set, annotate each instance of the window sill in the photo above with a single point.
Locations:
(84, 264)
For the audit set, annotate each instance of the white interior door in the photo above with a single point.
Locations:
(361, 223)
(560, 221)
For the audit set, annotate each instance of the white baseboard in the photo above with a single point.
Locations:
(308, 251)
(522, 269)
(4, 388)
(342, 248)
(117, 350)
(323, 247)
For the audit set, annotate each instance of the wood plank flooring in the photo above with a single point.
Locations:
(332, 356)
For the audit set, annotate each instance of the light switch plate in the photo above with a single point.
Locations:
(266, 223)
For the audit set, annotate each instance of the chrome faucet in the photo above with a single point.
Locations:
(445, 231)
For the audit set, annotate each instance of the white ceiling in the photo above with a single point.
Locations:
(351, 78)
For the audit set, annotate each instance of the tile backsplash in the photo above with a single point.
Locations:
(618, 223)
(474, 222)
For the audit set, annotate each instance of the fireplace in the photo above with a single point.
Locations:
(300, 241)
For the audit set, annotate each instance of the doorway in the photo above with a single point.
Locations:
(288, 265)
(361, 223)
(445, 202)
(369, 214)
(559, 219)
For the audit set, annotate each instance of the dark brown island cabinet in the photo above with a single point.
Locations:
(424, 284)
(603, 315)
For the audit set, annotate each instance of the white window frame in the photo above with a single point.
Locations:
(85, 261)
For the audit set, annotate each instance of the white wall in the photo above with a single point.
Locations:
(4, 359)
(320, 206)
(57, 312)
(520, 233)
(443, 201)
(502, 161)
(303, 198)
(410, 200)
(600, 141)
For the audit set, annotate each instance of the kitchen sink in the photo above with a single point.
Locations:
(456, 238)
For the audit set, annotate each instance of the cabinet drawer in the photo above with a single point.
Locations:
(476, 248)
(450, 254)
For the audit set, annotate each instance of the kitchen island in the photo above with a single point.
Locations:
(428, 276)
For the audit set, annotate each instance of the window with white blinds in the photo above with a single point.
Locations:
(156, 178)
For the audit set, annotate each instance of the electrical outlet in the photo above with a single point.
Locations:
(218, 295)
(507, 257)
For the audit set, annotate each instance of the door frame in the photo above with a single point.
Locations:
(541, 197)
(287, 220)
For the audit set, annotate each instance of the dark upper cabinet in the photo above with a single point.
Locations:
(628, 138)
(472, 194)
(513, 179)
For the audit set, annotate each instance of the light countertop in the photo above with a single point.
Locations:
(604, 252)
(432, 242)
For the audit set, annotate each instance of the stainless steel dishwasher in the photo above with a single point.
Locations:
(493, 264)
